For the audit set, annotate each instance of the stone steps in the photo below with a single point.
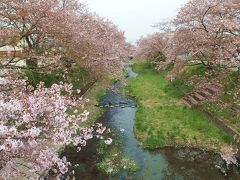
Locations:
(199, 97)
(207, 92)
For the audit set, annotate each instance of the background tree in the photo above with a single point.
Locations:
(49, 30)
(209, 31)
(155, 48)
(206, 31)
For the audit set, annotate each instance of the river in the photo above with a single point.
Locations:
(167, 163)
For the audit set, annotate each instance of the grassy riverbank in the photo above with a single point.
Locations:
(94, 94)
(226, 106)
(163, 119)
(80, 79)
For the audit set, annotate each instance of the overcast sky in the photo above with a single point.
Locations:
(136, 17)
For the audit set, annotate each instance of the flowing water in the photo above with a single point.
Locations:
(168, 163)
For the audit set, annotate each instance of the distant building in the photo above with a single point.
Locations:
(10, 50)
(7, 35)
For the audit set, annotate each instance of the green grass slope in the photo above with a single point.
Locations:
(163, 119)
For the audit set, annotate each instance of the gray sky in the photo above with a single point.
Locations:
(136, 17)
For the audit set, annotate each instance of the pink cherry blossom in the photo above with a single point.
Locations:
(207, 30)
(66, 29)
(32, 122)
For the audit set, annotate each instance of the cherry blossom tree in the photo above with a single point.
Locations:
(49, 30)
(206, 30)
(34, 122)
(209, 31)
(38, 24)
(154, 47)
(98, 45)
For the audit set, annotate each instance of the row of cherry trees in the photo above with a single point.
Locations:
(34, 121)
(207, 31)
(49, 30)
